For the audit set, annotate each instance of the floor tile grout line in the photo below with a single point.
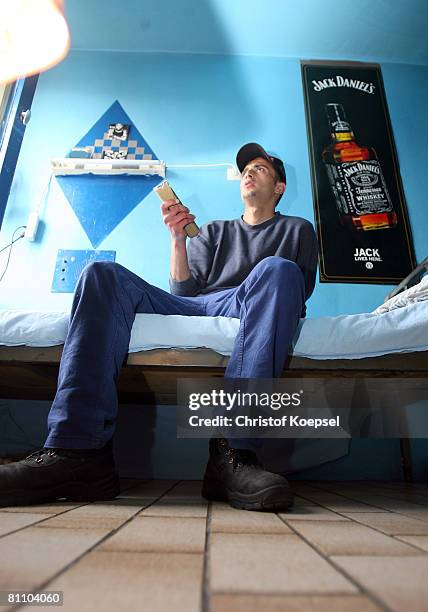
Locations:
(393, 497)
(341, 513)
(389, 485)
(421, 498)
(415, 518)
(378, 511)
(355, 520)
(389, 488)
(52, 515)
(150, 482)
(190, 553)
(398, 536)
(206, 595)
(297, 594)
(46, 583)
(133, 486)
(326, 488)
(36, 523)
(384, 510)
(390, 535)
(418, 505)
(370, 486)
(335, 566)
(258, 532)
(347, 498)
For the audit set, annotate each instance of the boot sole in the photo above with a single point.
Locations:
(105, 489)
(271, 498)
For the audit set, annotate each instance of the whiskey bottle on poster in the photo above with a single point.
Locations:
(356, 178)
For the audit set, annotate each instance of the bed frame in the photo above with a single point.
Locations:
(150, 377)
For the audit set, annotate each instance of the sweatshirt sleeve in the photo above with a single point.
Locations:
(200, 253)
(307, 258)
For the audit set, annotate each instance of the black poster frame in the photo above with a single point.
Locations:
(347, 254)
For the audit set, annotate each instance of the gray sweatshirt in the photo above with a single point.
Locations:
(225, 252)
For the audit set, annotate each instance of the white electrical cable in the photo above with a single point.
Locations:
(10, 246)
(44, 196)
(222, 165)
(34, 216)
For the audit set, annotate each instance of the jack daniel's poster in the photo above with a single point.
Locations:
(361, 216)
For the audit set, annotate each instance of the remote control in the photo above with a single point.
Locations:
(165, 193)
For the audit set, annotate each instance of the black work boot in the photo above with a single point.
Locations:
(237, 476)
(53, 473)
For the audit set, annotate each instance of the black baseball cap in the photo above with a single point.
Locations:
(251, 150)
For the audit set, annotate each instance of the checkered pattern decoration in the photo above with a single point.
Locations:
(98, 141)
(128, 148)
(102, 202)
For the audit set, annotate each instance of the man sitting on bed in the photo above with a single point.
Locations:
(259, 268)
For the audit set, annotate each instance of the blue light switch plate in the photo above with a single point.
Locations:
(69, 265)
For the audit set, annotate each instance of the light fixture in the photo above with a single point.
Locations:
(34, 36)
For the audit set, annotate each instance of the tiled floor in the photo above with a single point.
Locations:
(343, 547)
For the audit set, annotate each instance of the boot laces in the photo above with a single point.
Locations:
(241, 457)
(39, 454)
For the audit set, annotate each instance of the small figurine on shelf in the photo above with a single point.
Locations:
(109, 154)
(118, 131)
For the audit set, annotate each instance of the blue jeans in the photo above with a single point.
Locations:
(107, 297)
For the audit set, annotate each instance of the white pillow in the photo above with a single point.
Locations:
(417, 293)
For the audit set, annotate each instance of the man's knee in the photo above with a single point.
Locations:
(99, 273)
(278, 268)
(99, 269)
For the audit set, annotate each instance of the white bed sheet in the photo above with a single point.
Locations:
(343, 337)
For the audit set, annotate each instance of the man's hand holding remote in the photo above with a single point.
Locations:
(176, 216)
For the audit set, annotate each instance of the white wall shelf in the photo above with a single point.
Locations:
(62, 166)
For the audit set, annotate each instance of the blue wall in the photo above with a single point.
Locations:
(198, 110)
(191, 109)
